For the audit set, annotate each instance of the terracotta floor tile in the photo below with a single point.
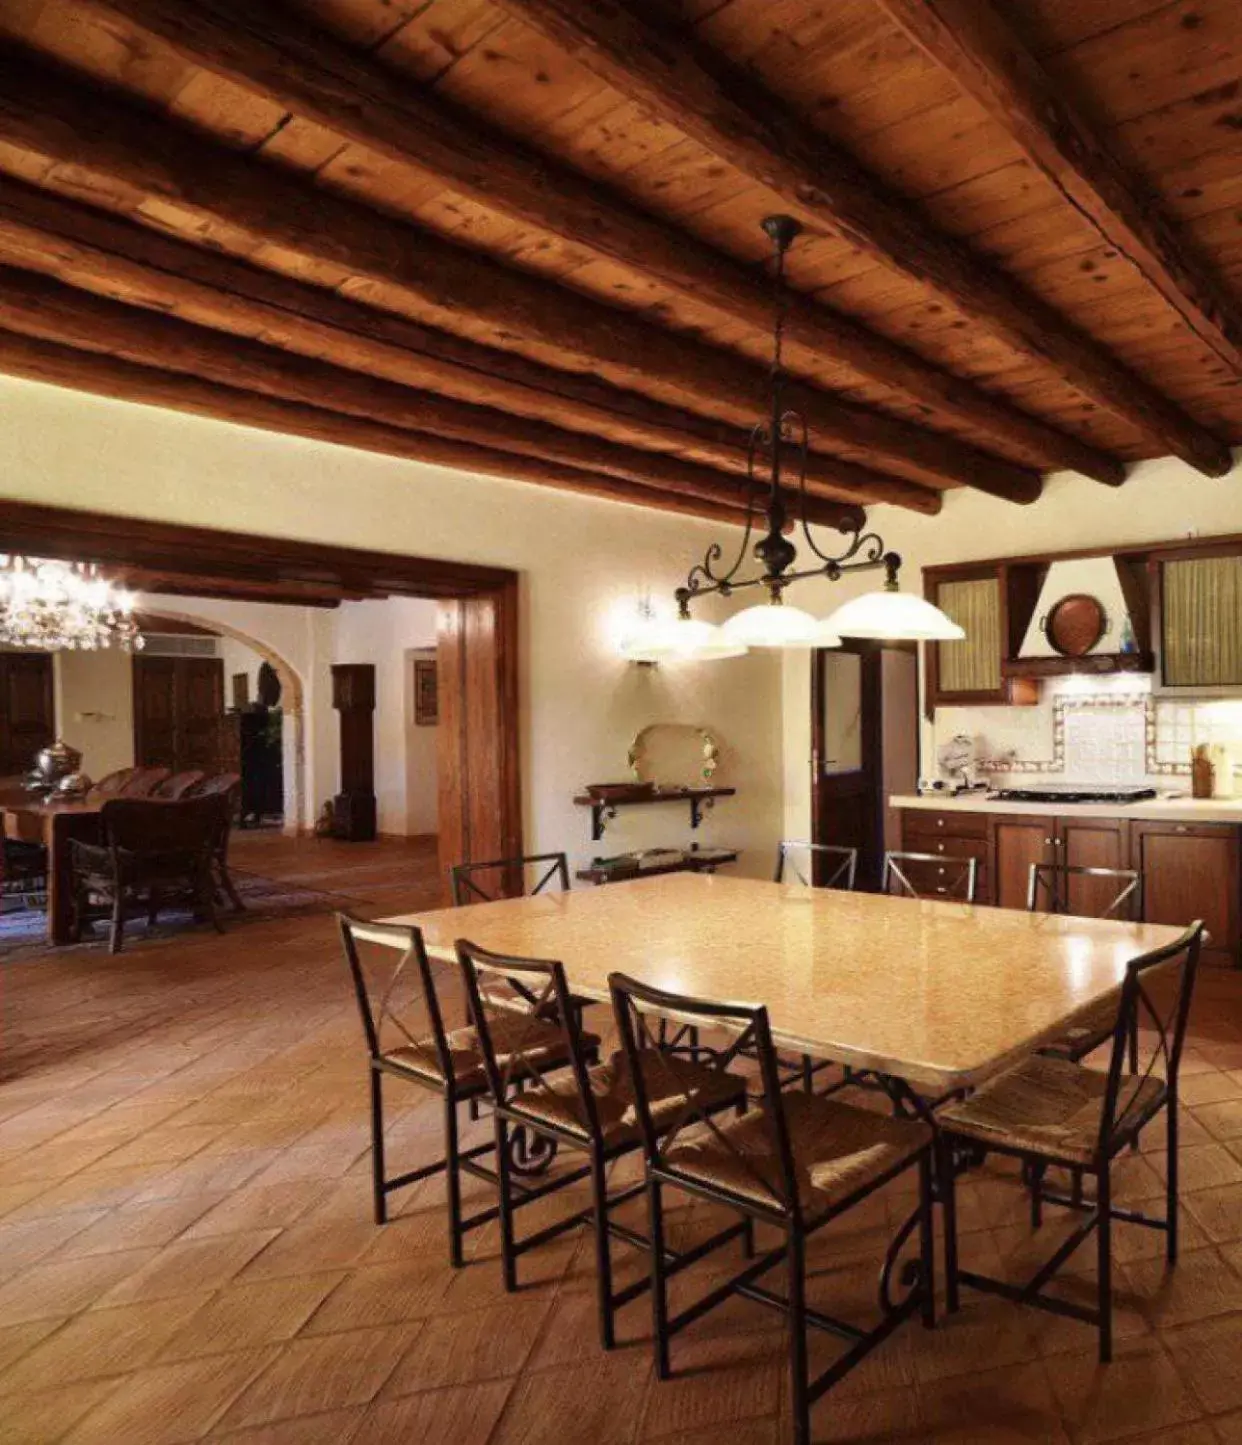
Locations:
(1199, 1285)
(600, 1401)
(465, 1415)
(1010, 1406)
(313, 1375)
(64, 1286)
(36, 1419)
(1222, 1120)
(747, 1432)
(16, 1340)
(169, 1404)
(257, 1206)
(243, 1316)
(1208, 1088)
(461, 1349)
(984, 1329)
(1209, 1358)
(1229, 1429)
(1218, 1211)
(716, 1381)
(190, 1266)
(336, 1427)
(1202, 1166)
(877, 1418)
(135, 1226)
(383, 1294)
(1140, 1391)
(306, 1245)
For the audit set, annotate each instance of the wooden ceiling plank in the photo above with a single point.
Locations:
(722, 109)
(986, 56)
(139, 162)
(61, 365)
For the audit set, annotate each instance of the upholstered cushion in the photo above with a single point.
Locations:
(1049, 1106)
(1091, 1028)
(541, 1046)
(672, 1085)
(837, 1149)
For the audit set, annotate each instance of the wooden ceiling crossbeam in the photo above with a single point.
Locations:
(271, 52)
(119, 156)
(94, 251)
(36, 306)
(67, 366)
(721, 108)
(985, 55)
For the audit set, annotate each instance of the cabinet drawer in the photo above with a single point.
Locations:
(949, 847)
(925, 823)
(933, 880)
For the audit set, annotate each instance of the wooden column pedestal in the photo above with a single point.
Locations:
(353, 696)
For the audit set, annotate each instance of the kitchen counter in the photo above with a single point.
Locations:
(1169, 810)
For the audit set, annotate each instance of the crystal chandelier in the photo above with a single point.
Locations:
(52, 605)
(778, 446)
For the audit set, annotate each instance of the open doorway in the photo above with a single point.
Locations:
(864, 747)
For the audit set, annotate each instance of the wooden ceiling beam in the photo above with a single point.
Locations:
(94, 251)
(36, 306)
(122, 158)
(269, 51)
(63, 365)
(972, 41)
(717, 105)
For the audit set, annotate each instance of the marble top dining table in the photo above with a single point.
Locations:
(939, 994)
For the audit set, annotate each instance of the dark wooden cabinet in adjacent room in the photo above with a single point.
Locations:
(27, 718)
(179, 713)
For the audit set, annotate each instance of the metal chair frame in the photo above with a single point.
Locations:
(961, 892)
(751, 1029)
(846, 869)
(463, 885)
(1117, 1131)
(546, 980)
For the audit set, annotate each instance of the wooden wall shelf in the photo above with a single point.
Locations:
(1091, 663)
(690, 863)
(605, 809)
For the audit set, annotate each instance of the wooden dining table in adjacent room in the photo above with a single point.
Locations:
(31, 819)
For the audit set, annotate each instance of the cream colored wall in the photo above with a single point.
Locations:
(1161, 500)
(94, 698)
(584, 566)
(237, 658)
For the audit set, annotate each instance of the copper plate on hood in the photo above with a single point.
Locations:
(1075, 624)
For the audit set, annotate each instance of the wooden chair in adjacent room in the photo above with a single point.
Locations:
(178, 785)
(112, 785)
(407, 1039)
(142, 782)
(794, 1162)
(588, 1109)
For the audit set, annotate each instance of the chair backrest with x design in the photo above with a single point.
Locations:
(515, 1041)
(526, 875)
(395, 987)
(1155, 1003)
(1085, 892)
(764, 1158)
(836, 866)
(930, 875)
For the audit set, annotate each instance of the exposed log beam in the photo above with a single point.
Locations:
(95, 251)
(984, 54)
(271, 52)
(122, 158)
(714, 103)
(35, 306)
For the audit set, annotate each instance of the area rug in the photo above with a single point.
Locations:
(23, 932)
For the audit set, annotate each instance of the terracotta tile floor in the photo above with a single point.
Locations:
(186, 1250)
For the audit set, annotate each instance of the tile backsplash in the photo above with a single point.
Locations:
(1092, 730)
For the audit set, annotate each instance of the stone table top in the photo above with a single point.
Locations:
(940, 994)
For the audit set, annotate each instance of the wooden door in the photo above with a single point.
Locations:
(27, 720)
(1017, 843)
(480, 814)
(1191, 871)
(178, 712)
(846, 764)
(1093, 843)
(155, 712)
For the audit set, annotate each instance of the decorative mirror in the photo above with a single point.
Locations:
(673, 756)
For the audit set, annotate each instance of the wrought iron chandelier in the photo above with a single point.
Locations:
(53, 605)
(776, 465)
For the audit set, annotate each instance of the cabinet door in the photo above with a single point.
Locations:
(1094, 843)
(1191, 871)
(155, 712)
(26, 719)
(1017, 843)
(970, 670)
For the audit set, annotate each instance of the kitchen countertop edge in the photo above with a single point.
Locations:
(1168, 810)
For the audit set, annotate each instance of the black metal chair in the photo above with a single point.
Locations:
(587, 1109)
(23, 870)
(839, 865)
(795, 1162)
(930, 875)
(447, 1063)
(1103, 893)
(151, 854)
(465, 879)
(1053, 1112)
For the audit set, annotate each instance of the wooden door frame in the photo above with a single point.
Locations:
(170, 558)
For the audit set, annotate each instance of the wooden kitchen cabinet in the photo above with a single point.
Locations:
(949, 834)
(1190, 870)
(993, 603)
(1017, 843)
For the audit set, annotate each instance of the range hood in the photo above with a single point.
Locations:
(1119, 585)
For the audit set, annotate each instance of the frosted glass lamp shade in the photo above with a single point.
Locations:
(682, 639)
(773, 625)
(888, 616)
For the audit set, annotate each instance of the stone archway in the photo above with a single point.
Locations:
(292, 703)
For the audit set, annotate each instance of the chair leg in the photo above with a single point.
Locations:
(377, 1147)
(603, 1252)
(116, 938)
(230, 890)
(504, 1202)
(1038, 1170)
(1171, 1178)
(808, 1074)
(1104, 1244)
(452, 1180)
(947, 1184)
(1134, 1045)
(207, 892)
(927, 1242)
(799, 1393)
(659, 1300)
(153, 907)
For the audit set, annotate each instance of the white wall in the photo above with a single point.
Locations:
(237, 658)
(584, 565)
(1161, 501)
(94, 699)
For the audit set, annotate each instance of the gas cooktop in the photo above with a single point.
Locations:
(1071, 794)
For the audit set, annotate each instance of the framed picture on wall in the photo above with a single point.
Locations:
(426, 695)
